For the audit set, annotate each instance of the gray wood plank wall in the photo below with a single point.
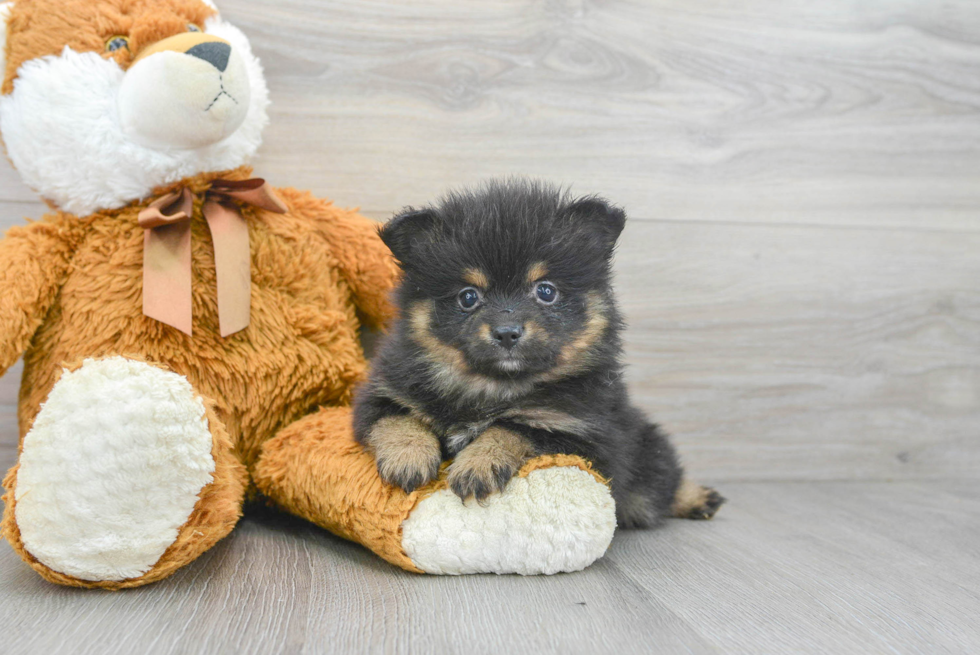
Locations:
(801, 277)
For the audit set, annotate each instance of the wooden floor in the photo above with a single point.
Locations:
(801, 276)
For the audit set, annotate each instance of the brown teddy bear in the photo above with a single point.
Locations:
(190, 334)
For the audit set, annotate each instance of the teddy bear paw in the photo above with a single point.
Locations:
(551, 520)
(111, 469)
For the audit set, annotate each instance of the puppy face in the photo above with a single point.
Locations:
(510, 282)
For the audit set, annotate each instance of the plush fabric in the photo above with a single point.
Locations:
(556, 515)
(217, 509)
(138, 442)
(312, 268)
(79, 154)
(73, 292)
(144, 430)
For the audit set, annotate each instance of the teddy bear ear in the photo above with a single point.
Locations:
(4, 16)
(403, 233)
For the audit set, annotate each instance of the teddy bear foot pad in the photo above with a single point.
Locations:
(551, 520)
(112, 469)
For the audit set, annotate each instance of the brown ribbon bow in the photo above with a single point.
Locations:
(167, 251)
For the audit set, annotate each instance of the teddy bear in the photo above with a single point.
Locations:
(190, 334)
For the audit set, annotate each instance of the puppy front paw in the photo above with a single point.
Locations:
(488, 463)
(478, 479)
(407, 453)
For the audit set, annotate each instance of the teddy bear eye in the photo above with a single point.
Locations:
(191, 27)
(468, 298)
(546, 292)
(115, 43)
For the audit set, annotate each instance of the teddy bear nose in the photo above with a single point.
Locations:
(213, 52)
(508, 335)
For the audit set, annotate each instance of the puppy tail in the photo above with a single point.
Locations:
(692, 501)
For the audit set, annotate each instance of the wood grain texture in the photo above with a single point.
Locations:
(807, 353)
(800, 278)
(832, 113)
(819, 567)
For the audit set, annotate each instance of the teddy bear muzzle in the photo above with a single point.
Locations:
(187, 91)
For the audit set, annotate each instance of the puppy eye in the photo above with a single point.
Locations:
(115, 43)
(191, 27)
(546, 292)
(468, 298)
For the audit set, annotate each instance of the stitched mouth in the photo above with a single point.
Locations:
(222, 92)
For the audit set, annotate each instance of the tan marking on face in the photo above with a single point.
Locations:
(484, 332)
(472, 386)
(575, 356)
(420, 320)
(449, 365)
(402, 445)
(531, 328)
(497, 449)
(476, 277)
(537, 272)
(552, 420)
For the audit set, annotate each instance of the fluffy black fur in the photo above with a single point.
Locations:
(560, 385)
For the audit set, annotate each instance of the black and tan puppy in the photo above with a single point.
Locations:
(508, 345)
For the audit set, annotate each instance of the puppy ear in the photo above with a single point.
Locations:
(596, 214)
(403, 233)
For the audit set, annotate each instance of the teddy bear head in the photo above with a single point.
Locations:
(104, 100)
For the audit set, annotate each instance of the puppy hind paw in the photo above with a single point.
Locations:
(696, 502)
(712, 503)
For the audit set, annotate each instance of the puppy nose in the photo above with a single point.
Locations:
(215, 53)
(508, 335)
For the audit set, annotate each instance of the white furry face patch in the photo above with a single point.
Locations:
(88, 136)
(111, 469)
(186, 97)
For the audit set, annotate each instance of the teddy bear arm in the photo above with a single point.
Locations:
(364, 260)
(369, 268)
(34, 260)
(556, 514)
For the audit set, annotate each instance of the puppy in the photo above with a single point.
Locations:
(508, 346)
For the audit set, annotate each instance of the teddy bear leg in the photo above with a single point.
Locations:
(125, 475)
(555, 515)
